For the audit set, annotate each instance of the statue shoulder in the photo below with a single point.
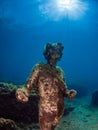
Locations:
(61, 73)
(38, 65)
(59, 69)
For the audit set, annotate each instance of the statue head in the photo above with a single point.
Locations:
(53, 52)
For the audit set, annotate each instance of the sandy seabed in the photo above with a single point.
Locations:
(83, 117)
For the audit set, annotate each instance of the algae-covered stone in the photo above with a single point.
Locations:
(10, 108)
(7, 124)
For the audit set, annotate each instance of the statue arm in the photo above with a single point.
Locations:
(22, 94)
(66, 92)
(32, 80)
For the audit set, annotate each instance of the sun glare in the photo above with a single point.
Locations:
(64, 4)
(67, 4)
(57, 9)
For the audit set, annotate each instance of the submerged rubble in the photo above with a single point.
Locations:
(10, 108)
(7, 124)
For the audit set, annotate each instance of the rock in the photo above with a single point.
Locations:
(95, 98)
(10, 108)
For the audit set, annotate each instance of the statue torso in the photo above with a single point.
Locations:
(50, 94)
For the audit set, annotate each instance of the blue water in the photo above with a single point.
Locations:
(24, 30)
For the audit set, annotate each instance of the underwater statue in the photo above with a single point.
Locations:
(49, 82)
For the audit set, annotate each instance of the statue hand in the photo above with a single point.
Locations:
(21, 95)
(71, 94)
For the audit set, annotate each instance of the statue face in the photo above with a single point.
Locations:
(55, 55)
(53, 52)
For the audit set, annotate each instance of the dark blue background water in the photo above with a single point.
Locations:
(24, 32)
